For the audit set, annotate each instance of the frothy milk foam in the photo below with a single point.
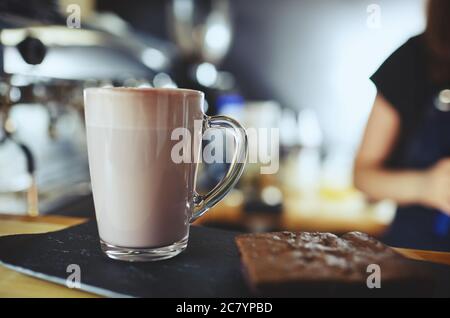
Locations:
(142, 198)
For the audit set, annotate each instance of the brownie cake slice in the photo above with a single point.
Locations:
(323, 264)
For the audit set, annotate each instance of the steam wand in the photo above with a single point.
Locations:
(32, 193)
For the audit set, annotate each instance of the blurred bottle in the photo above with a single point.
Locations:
(302, 168)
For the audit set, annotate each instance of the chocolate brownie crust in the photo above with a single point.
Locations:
(288, 258)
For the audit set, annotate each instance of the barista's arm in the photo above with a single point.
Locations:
(430, 187)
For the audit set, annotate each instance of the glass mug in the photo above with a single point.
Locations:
(144, 199)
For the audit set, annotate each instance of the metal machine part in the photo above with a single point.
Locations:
(202, 29)
(44, 68)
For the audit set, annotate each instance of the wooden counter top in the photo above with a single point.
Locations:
(14, 284)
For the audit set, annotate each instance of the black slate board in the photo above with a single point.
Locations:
(210, 267)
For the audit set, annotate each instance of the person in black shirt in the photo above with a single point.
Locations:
(405, 152)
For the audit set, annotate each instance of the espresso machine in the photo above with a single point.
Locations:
(44, 67)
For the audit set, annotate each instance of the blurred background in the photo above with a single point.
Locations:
(302, 66)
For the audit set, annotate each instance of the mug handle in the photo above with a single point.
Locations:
(202, 203)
